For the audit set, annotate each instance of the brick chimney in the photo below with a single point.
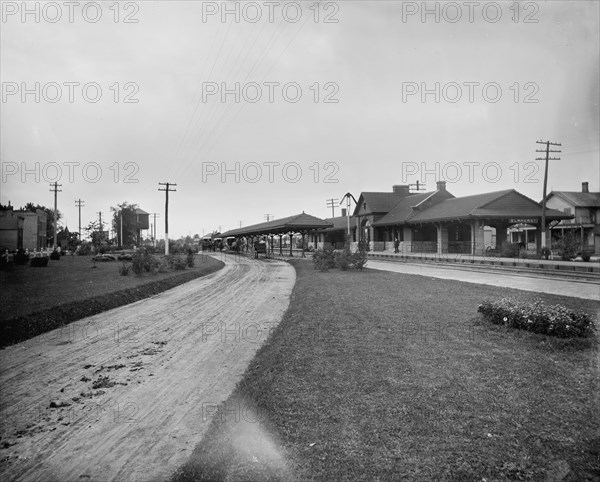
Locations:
(441, 185)
(585, 187)
(344, 212)
(401, 190)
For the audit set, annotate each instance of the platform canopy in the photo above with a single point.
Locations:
(299, 223)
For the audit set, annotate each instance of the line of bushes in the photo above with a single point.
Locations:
(143, 261)
(327, 257)
(555, 320)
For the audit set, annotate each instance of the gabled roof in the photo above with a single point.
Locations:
(500, 204)
(140, 211)
(295, 223)
(338, 223)
(578, 199)
(403, 208)
(377, 202)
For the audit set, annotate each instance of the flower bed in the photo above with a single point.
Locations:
(555, 320)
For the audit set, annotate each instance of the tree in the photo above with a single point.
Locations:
(94, 231)
(126, 212)
(49, 221)
(72, 238)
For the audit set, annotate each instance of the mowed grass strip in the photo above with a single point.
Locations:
(37, 300)
(385, 376)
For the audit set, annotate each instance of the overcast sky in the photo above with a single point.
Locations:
(353, 115)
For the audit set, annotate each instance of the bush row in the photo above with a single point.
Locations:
(555, 320)
(143, 261)
(327, 257)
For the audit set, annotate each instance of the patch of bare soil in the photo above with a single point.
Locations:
(128, 393)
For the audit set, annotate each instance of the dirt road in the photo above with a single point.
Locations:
(126, 394)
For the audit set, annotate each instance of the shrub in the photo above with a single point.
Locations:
(55, 255)
(545, 253)
(84, 249)
(555, 320)
(360, 257)
(176, 262)
(142, 261)
(190, 258)
(163, 266)
(510, 250)
(124, 269)
(39, 262)
(567, 247)
(21, 258)
(104, 257)
(324, 258)
(586, 256)
(343, 259)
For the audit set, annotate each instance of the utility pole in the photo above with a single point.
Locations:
(79, 204)
(417, 186)
(331, 204)
(167, 189)
(268, 217)
(55, 189)
(547, 158)
(154, 228)
(101, 225)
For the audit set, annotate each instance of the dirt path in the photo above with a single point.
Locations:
(126, 394)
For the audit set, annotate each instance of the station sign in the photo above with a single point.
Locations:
(523, 220)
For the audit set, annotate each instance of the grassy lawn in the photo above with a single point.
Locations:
(385, 376)
(36, 300)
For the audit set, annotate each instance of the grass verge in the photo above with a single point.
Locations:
(37, 300)
(386, 376)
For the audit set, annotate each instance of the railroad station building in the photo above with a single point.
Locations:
(425, 222)
(439, 222)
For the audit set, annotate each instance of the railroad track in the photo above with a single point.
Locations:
(532, 270)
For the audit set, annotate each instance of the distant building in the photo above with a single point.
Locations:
(142, 221)
(22, 229)
(585, 207)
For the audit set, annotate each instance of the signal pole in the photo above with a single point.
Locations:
(331, 204)
(347, 197)
(167, 189)
(79, 204)
(547, 158)
(55, 189)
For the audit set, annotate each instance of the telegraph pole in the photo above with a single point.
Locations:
(101, 225)
(547, 158)
(167, 189)
(268, 217)
(154, 228)
(331, 204)
(55, 189)
(417, 186)
(79, 204)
